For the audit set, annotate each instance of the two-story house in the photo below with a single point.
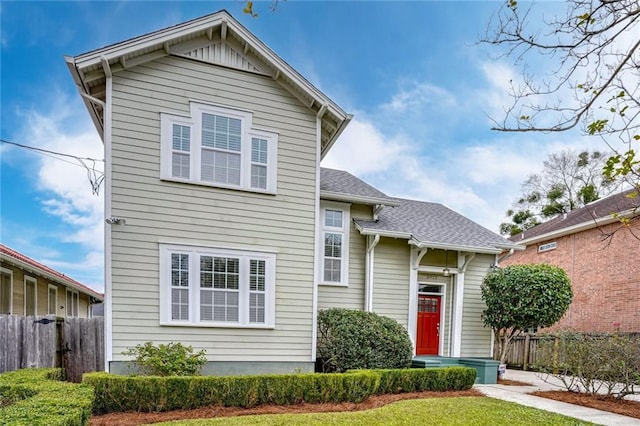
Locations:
(224, 233)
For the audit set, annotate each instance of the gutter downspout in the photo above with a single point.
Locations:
(369, 260)
(505, 257)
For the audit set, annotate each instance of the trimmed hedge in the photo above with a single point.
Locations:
(426, 379)
(38, 397)
(115, 393)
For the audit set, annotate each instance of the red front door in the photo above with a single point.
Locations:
(428, 325)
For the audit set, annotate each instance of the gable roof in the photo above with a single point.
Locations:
(190, 39)
(339, 185)
(590, 216)
(435, 226)
(24, 262)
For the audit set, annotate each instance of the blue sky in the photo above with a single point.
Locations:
(420, 87)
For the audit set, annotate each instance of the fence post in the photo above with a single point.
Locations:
(525, 356)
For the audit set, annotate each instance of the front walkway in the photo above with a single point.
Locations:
(519, 394)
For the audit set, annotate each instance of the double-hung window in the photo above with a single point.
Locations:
(52, 300)
(334, 264)
(6, 291)
(218, 147)
(73, 303)
(216, 287)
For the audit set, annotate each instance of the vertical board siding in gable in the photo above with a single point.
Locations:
(476, 339)
(168, 211)
(391, 279)
(351, 297)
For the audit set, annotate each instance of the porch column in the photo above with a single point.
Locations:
(412, 321)
(372, 241)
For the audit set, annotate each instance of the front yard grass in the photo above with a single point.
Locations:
(432, 411)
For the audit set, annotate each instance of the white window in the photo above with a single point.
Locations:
(52, 302)
(30, 297)
(547, 247)
(217, 146)
(6, 290)
(334, 241)
(73, 302)
(216, 287)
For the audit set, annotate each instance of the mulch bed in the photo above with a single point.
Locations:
(126, 419)
(612, 405)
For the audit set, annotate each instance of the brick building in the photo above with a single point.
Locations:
(601, 257)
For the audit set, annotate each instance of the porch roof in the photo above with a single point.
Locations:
(436, 226)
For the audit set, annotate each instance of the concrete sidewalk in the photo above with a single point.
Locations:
(519, 394)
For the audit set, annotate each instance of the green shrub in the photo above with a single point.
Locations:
(425, 379)
(351, 340)
(38, 397)
(606, 364)
(172, 359)
(152, 393)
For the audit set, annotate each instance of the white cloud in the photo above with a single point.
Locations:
(415, 96)
(65, 188)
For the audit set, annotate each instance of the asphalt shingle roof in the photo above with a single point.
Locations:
(432, 223)
(341, 182)
(598, 209)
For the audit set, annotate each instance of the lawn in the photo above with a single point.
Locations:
(433, 411)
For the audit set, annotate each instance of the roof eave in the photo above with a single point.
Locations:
(325, 149)
(382, 232)
(590, 224)
(93, 113)
(359, 199)
(51, 277)
(455, 247)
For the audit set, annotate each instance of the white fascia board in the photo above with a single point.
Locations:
(593, 223)
(382, 232)
(81, 88)
(359, 199)
(48, 276)
(455, 247)
(160, 37)
(335, 136)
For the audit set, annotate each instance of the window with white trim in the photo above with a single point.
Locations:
(6, 290)
(30, 296)
(547, 247)
(217, 146)
(52, 301)
(73, 303)
(334, 250)
(216, 287)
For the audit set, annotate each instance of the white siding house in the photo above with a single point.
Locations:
(224, 233)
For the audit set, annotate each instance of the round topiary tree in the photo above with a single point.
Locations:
(522, 297)
(350, 339)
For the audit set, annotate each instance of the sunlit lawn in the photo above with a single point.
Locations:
(433, 411)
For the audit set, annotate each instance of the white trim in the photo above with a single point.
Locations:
(10, 273)
(371, 241)
(194, 122)
(73, 308)
(344, 230)
(412, 320)
(49, 288)
(108, 257)
(359, 199)
(316, 252)
(194, 290)
(34, 280)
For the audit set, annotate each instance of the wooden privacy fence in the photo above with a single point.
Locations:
(74, 344)
(522, 353)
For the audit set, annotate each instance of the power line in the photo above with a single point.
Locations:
(95, 177)
(33, 148)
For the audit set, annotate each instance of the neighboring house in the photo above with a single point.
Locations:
(28, 287)
(599, 254)
(225, 234)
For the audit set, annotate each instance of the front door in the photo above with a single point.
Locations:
(428, 325)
